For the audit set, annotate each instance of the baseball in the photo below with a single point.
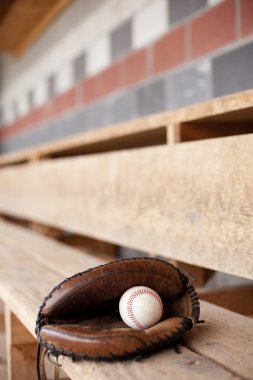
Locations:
(140, 307)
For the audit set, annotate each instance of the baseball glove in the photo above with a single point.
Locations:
(79, 318)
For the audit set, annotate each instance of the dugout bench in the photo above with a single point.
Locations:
(178, 185)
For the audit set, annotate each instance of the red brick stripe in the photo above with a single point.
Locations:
(214, 29)
(169, 51)
(246, 17)
(211, 30)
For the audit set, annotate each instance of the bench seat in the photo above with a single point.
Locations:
(32, 264)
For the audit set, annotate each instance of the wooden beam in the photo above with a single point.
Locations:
(1, 316)
(212, 129)
(54, 11)
(236, 298)
(173, 134)
(148, 199)
(21, 349)
(40, 248)
(201, 275)
(231, 108)
(94, 247)
(1, 322)
(3, 364)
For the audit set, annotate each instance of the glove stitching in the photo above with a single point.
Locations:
(186, 324)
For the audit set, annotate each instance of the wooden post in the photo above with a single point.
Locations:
(201, 274)
(21, 349)
(3, 370)
(173, 134)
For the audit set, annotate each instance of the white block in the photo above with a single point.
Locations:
(211, 3)
(83, 26)
(64, 79)
(40, 93)
(98, 55)
(8, 115)
(204, 66)
(23, 106)
(150, 23)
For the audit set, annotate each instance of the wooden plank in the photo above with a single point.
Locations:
(200, 274)
(173, 134)
(234, 107)
(1, 316)
(90, 246)
(106, 251)
(25, 21)
(24, 294)
(199, 213)
(23, 362)
(236, 298)
(20, 348)
(222, 328)
(3, 364)
(165, 365)
(54, 10)
(16, 333)
(1, 322)
(41, 248)
(201, 130)
(126, 136)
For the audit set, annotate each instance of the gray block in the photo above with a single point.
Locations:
(43, 133)
(56, 130)
(30, 99)
(71, 123)
(151, 98)
(98, 115)
(51, 86)
(124, 106)
(25, 140)
(79, 67)
(121, 40)
(15, 109)
(1, 116)
(188, 86)
(67, 129)
(233, 71)
(11, 145)
(28, 138)
(180, 9)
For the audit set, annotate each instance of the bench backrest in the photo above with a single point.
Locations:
(190, 201)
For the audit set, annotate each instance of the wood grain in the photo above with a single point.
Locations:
(47, 251)
(165, 365)
(20, 348)
(212, 339)
(3, 364)
(25, 21)
(191, 202)
(221, 328)
(235, 108)
(236, 298)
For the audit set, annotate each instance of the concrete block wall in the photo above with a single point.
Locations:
(108, 61)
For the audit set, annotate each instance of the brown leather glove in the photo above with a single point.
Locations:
(79, 318)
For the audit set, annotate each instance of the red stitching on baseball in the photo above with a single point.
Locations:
(130, 304)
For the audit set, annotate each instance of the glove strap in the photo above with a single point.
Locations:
(43, 353)
(40, 363)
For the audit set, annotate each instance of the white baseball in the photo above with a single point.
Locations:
(140, 307)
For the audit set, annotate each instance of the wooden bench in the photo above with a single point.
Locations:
(148, 185)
